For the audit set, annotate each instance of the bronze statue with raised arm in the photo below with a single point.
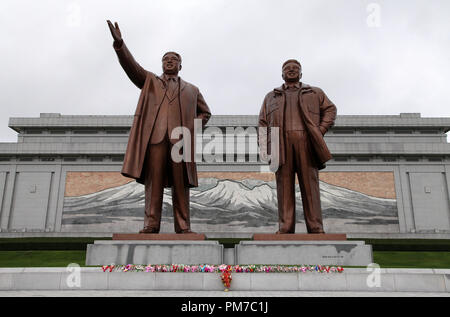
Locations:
(166, 102)
(303, 114)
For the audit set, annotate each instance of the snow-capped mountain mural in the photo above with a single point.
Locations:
(227, 205)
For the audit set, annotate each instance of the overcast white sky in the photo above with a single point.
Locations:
(370, 57)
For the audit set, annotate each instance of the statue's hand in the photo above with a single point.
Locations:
(115, 31)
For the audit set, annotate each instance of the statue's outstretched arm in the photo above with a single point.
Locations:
(135, 72)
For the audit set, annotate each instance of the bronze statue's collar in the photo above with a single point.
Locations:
(164, 78)
(303, 88)
(296, 85)
(167, 77)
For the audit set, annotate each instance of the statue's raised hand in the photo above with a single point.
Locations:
(115, 31)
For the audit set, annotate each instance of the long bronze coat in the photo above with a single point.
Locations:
(316, 110)
(192, 106)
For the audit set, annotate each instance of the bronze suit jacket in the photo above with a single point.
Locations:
(192, 106)
(316, 111)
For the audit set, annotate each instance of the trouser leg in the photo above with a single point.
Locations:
(156, 170)
(285, 178)
(308, 178)
(180, 198)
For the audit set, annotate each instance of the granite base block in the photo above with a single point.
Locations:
(154, 252)
(348, 253)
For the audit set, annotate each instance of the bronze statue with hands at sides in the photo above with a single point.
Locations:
(166, 102)
(303, 114)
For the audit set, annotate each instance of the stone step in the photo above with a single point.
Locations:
(93, 278)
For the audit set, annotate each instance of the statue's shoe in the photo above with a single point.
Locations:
(320, 231)
(185, 231)
(149, 230)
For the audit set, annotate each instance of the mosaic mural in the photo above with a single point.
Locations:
(231, 202)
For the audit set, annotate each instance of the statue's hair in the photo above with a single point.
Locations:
(175, 53)
(291, 61)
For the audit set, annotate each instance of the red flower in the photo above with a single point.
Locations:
(226, 278)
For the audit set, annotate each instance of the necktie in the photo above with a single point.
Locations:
(172, 86)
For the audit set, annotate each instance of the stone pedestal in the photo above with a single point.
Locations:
(122, 252)
(158, 236)
(348, 253)
(300, 237)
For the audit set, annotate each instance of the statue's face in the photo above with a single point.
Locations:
(171, 64)
(292, 72)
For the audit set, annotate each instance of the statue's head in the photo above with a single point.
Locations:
(171, 63)
(291, 71)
